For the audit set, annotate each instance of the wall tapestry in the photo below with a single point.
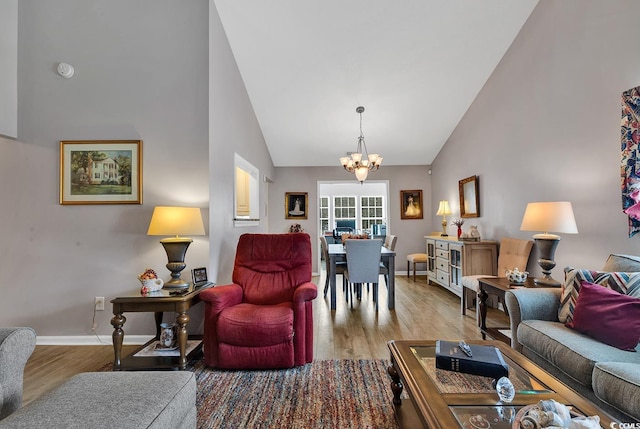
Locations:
(629, 167)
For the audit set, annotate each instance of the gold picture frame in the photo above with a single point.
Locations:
(296, 205)
(101, 172)
(469, 191)
(411, 204)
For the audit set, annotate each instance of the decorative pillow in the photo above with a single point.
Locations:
(607, 316)
(617, 281)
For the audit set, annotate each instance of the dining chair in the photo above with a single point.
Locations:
(513, 253)
(340, 265)
(363, 266)
(389, 243)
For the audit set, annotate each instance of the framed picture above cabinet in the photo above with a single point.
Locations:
(469, 197)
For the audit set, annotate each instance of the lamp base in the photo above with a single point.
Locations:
(547, 244)
(176, 249)
(444, 227)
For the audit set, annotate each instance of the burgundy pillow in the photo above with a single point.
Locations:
(607, 316)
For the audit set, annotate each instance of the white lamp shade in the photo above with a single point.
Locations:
(176, 221)
(556, 216)
(443, 208)
(362, 173)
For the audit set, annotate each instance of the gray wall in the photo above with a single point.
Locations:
(546, 127)
(141, 72)
(9, 68)
(410, 232)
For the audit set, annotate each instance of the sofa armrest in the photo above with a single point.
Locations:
(305, 292)
(220, 297)
(16, 346)
(531, 304)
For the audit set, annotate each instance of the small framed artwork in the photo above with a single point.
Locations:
(295, 205)
(411, 204)
(101, 172)
(199, 276)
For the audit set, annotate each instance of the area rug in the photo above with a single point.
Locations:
(323, 394)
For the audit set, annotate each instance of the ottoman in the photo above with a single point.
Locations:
(149, 399)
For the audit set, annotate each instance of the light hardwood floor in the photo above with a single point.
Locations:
(422, 312)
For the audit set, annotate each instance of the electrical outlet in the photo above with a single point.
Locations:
(99, 303)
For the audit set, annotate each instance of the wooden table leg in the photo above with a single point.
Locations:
(396, 384)
(332, 280)
(482, 298)
(392, 282)
(158, 317)
(182, 320)
(117, 322)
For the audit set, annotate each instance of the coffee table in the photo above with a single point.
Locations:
(156, 302)
(444, 399)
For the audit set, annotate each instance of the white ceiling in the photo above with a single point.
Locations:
(415, 65)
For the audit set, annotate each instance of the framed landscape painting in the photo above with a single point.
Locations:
(101, 172)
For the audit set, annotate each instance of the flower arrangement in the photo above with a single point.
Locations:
(458, 222)
(148, 274)
(150, 281)
(296, 227)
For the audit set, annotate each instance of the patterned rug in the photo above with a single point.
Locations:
(323, 394)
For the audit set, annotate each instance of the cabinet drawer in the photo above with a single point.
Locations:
(442, 264)
(442, 245)
(442, 254)
(442, 277)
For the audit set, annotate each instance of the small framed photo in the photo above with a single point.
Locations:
(411, 204)
(199, 275)
(296, 205)
(101, 172)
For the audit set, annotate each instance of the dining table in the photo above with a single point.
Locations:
(337, 253)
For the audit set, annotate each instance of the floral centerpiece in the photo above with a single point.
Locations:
(296, 227)
(150, 281)
(458, 223)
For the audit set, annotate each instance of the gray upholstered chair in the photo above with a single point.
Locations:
(513, 253)
(363, 266)
(16, 346)
(390, 243)
(340, 265)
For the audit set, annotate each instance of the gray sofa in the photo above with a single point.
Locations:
(149, 399)
(608, 376)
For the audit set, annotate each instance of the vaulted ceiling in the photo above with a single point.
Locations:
(415, 65)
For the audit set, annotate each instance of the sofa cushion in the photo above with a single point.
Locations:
(618, 384)
(607, 316)
(571, 352)
(127, 399)
(623, 263)
(618, 281)
(250, 325)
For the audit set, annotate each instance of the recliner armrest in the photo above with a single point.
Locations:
(531, 304)
(305, 292)
(16, 347)
(221, 297)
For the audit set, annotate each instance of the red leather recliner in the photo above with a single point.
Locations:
(265, 318)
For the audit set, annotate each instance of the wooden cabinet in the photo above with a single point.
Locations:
(449, 259)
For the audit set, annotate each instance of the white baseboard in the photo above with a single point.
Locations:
(89, 340)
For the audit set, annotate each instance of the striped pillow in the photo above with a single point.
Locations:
(617, 281)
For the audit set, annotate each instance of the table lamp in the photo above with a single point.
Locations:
(444, 211)
(554, 216)
(176, 221)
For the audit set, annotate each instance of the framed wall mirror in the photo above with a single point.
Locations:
(469, 197)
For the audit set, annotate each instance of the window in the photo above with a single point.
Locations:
(372, 211)
(344, 208)
(323, 214)
(246, 193)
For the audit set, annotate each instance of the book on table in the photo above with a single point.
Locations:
(486, 361)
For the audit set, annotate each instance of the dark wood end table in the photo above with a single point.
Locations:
(497, 286)
(157, 302)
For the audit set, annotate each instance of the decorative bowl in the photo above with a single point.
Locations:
(151, 285)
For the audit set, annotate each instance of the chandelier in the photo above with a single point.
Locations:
(361, 162)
